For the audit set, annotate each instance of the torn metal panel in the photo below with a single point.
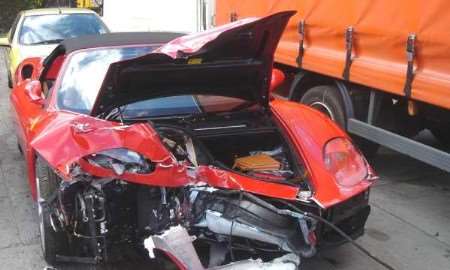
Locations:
(67, 137)
(286, 262)
(170, 173)
(177, 243)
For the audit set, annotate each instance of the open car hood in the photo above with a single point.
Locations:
(232, 60)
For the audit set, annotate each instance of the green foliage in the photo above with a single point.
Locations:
(10, 8)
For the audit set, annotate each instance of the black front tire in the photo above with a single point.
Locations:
(442, 134)
(328, 100)
(10, 83)
(52, 242)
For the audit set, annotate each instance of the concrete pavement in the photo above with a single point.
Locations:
(409, 227)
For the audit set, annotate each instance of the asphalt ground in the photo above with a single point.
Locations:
(409, 227)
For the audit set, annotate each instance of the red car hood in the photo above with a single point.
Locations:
(233, 60)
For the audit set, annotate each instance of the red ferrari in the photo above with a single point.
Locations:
(172, 146)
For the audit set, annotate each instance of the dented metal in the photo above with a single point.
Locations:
(178, 244)
(124, 182)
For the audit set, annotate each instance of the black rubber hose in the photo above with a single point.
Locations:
(320, 219)
(343, 234)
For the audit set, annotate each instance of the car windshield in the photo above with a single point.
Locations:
(84, 76)
(48, 29)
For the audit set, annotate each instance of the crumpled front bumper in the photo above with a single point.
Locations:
(177, 244)
(350, 216)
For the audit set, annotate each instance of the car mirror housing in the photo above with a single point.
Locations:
(278, 78)
(4, 42)
(34, 92)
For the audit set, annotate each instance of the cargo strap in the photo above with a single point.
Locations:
(233, 16)
(349, 50)
(301, 49)
(410, 55)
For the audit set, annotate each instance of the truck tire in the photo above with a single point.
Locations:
(52, 242)
(328, 100)
(442, 134)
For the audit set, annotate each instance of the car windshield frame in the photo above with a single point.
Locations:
(199, 105)
(20, 39)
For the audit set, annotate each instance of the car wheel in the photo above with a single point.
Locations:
(328, 100)
(10, 83)
(52, 242)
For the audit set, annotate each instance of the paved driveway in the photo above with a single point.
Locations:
(409, 227)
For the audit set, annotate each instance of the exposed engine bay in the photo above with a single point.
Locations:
(253, 148)
(111, 221)
(106, 220)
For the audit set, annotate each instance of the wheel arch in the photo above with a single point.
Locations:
(305, 80)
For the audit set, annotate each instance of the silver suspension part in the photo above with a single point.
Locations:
(217, 224)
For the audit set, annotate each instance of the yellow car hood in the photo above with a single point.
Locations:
(27, 51)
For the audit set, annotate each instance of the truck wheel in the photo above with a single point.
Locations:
(328, 100)
(442, 134)
(369, 148)
(52, 242)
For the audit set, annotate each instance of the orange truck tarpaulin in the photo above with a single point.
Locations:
(381, 28)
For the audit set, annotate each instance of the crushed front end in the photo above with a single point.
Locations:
(248, 183)
(249, 201)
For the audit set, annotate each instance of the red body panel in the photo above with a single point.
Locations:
(26, 115)
(35, 63)
(194, 42)
(310, 131)
(63, 138)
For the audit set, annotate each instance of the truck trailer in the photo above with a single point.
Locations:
(381, 69)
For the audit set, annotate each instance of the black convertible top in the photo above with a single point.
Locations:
(116, 39)
(109, 40)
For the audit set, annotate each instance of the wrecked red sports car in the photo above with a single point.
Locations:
(147, 142)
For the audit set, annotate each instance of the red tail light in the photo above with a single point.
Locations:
(342, 159)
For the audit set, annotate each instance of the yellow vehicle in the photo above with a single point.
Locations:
(35, 33)
(87, 4)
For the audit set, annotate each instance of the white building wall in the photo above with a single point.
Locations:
(153, 15)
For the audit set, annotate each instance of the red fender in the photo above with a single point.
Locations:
(35, 63)
(310, 131)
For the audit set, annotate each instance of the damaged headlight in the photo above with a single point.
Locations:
(121, 160)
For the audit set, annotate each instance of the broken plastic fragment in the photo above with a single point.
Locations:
(150, 246)
(304, 195)
(286, 262)
(118, 168)
(82, 127)
(178, 243)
